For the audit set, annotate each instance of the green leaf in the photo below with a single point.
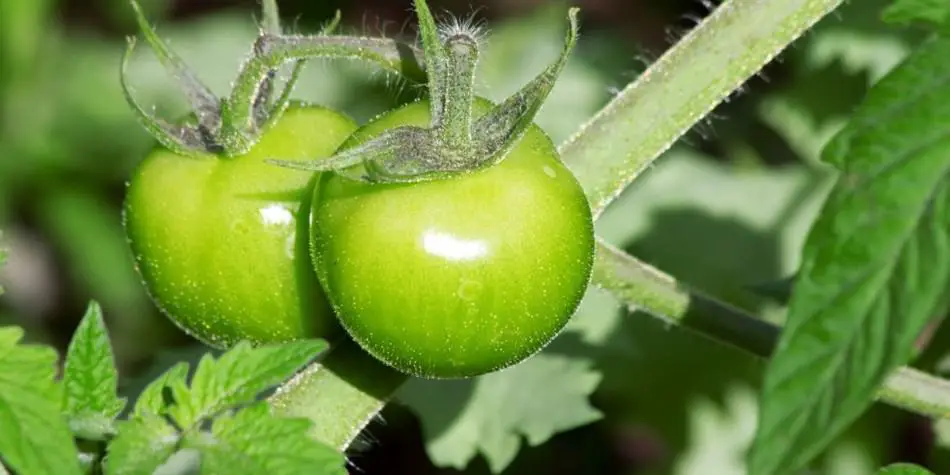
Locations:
(218, 385)
(237, 377)
(34, 437)
(932, 12)
(875, 265)
(252, 441)
(545, 395)
(143, 444)
(151, 400)
(90, 379)
(904, 469)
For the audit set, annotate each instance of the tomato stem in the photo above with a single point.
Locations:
(270, 23)
(639, 285)
(453, 143)
(707, 65)
(203, 102)
(230, 127)
(341, 394)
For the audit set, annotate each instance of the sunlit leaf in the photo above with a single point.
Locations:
(875, 266)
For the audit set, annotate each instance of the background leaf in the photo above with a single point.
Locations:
(904, 469)
(874, 270)
(908, 11)
(489, 415)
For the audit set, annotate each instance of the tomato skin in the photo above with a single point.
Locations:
(221, 243)
(459, 277)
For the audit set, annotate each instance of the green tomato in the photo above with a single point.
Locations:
(221, 243)
(458, 277)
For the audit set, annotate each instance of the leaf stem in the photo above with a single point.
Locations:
(641, 286)
(341, 393)
(679, 89)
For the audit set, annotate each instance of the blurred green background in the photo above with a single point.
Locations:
(726, 209)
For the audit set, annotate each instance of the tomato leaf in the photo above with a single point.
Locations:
(90, 379)
(933, 12)
(34, 437)
(249, 441)
(143, 444)
(488, 415)
(252, 441)
(237, 377)
(151, 400)
(874, 268)
(904, 469)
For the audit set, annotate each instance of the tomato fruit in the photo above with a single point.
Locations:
(457, 277)
(221, 243)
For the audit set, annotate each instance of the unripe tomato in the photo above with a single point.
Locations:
(221, 243)
(456, 277)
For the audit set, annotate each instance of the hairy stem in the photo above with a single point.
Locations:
(641, 286)
(271, 51)
(684, 85)
(460, 61)
(341, 393)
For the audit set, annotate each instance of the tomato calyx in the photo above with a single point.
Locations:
(231, 126)
(456, 142)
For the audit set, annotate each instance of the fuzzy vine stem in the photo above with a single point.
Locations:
(640, 286)
(340, 394)
(611, 150)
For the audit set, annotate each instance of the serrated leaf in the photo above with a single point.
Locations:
(143, 444)
(875, 265)
(933, 12)
(90, 379)
(904, 469)
(150, 400)
(34, 437)
(252, 441)
(237, 377)
(488, 415)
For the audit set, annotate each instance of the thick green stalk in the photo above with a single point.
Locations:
(641, 286)
(684, 85)
(341, 393)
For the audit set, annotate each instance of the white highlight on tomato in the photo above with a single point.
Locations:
(452, 247)
(276, 215)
